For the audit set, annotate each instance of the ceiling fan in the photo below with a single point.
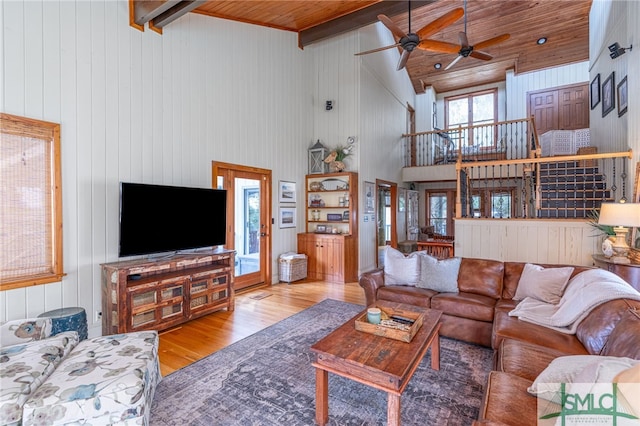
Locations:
(464, 49)
(409, 41)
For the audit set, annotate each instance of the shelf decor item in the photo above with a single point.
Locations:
(317, 154)
(336, 158)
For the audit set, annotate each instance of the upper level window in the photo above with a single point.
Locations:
(474, 109)
(30, 202)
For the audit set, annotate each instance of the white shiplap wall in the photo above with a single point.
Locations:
(540, 241)
(142, 107)
(384, 95)
(517, 86)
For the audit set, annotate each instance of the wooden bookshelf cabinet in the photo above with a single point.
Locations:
(331, 237)
(158, 294)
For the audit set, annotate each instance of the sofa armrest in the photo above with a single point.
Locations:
(371, 281)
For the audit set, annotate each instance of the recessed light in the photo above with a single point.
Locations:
(437, 65)
(541, 40)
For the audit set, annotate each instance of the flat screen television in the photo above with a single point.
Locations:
(160, 218)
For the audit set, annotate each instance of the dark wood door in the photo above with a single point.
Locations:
(560, 108)
(573, 107)
(544, 108)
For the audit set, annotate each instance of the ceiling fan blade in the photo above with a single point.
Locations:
(491, 41)
(391, 26)
(378, 49)
(454, 62)
(480, 55)
(464, 41)
(403, 59)
(440, 23)
(438, 46)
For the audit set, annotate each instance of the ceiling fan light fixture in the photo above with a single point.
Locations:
(437, 65)
(541, 41)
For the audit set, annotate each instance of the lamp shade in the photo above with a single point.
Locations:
(620, 214)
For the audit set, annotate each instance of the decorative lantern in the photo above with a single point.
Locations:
(317, 154)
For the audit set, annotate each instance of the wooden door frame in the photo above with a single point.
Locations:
(394, 206)
(265, 211)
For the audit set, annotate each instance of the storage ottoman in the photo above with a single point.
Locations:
(106, 380)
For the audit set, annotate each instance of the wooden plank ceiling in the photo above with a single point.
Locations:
(564, 23)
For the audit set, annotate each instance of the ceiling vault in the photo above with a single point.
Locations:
(564, 25)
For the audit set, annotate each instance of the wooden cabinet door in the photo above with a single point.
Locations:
(307, 244)
(335, 255)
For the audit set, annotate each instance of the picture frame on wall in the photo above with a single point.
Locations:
(622, 97)
(634, 243)
(595, 91)
(286, 191)
(369, 197)
(608, 95)
(287, 217)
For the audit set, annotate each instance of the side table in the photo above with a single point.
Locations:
(630, 272)
(68, 319)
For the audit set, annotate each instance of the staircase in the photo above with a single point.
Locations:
(571, 190)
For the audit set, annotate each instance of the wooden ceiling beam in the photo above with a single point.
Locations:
(182, 8)
(355, 20)
(145, 10)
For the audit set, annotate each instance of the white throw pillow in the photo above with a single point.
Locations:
(577, 369)
(544, 284)
(400, 269)
(439, 275)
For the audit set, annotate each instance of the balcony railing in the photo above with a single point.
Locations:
(505, 140)
(569, 186)
(503, 161)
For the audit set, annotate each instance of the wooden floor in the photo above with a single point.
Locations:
(254, 311)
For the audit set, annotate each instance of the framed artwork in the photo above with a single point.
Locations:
(286, 191)
(608, 95)
(634, 243)
(287, 217)
(622, 97)
(369, 197)
(595, 91)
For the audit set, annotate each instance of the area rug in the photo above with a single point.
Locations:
(267, 379)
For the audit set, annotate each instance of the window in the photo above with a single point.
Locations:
(440, 211)
(493, 203)
(475, 109)
(30, 202)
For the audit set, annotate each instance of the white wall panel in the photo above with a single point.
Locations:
(150, 108)
(532, 240)
(518, 85)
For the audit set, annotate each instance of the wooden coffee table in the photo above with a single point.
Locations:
(379, 362)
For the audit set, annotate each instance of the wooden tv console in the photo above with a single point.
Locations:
(158, 294)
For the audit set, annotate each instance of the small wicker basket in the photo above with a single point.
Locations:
(293, 267)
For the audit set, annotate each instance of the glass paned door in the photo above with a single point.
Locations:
(247, 225)
(248, 219)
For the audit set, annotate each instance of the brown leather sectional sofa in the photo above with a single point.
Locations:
(479, 314)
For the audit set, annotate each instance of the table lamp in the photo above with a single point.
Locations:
(621, 216)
